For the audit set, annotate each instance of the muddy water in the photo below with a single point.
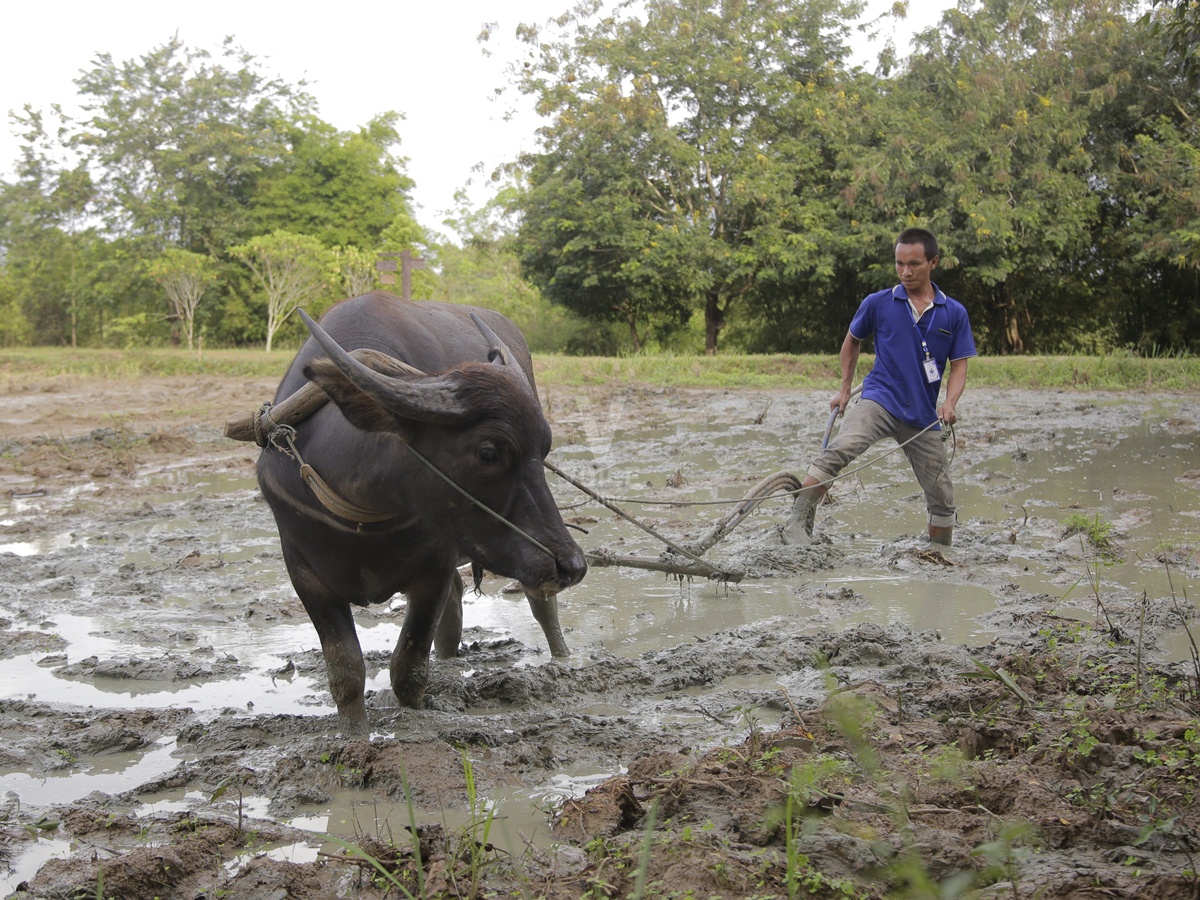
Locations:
(1014, 486)
(179, 599)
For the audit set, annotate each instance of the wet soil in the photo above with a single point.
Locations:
(767, 759)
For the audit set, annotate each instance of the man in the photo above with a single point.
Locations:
(918, 330)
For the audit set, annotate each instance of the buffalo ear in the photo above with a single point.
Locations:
(362, 410)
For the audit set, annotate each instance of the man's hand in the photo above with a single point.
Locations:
(840, 401)
(955, 382)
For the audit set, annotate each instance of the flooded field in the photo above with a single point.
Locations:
(156, 668)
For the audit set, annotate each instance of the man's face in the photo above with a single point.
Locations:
(914, 269)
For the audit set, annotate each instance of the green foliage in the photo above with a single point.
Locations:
(15, 328)
(1177, 24)
(483, 270)
(760, 183)
(184, 277)
(354, 270)
(1075, 742)
(481, 814)
(1097, 531)
(708, 173)
(293, 270)
(1015, 843)
(180, 152)
(180, 140)
(344, 189)
(999, 675)
(405, 233)
(806, 784)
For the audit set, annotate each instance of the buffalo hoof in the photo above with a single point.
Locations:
(352, 717)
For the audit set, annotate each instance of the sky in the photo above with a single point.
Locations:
(359, 57)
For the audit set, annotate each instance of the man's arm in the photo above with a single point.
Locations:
(851, 348)
(956, 382)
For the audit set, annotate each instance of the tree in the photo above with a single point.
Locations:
(355, 270)
(184, 276)
(343, 188)
(1153, 245)
(46, 236)
(177, 142)
(14, 326)
(590, 223)
(1144, 135)
(180, 149)
(291, 269)
(1177, 24)
(663, 183)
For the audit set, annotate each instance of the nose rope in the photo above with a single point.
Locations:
(487, 509)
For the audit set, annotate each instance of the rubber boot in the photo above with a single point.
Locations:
(799, 527)
(941, 535)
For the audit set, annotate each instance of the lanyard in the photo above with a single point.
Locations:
(928, 327)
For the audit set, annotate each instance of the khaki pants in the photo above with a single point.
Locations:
(865, 423)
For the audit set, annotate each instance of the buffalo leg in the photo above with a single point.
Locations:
(410, 660)
(332, 619)
(343, 658)
(448, 636)
(545, 611)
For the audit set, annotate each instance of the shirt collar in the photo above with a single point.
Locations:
(899, 293)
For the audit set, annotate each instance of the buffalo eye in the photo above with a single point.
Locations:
(489, 453)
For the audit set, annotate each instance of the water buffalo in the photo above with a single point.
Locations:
(393, 445)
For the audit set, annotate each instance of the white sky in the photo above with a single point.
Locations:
(360, 57)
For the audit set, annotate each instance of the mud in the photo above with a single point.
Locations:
(862, 716)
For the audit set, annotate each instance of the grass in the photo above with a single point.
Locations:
(53, 362)
(1111, 373)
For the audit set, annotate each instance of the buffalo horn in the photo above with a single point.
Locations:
(499, 348)
(433, 401)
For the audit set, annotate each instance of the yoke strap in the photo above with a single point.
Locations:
(328, 497)
(337, 504)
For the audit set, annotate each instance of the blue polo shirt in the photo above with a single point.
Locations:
(897, 382)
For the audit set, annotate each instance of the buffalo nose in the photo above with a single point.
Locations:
(571, 568)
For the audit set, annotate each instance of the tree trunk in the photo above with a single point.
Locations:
(714, 321)
(73, 307)
(633, 332)
(1012, 324)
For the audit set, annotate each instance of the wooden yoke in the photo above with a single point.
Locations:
(306, 401)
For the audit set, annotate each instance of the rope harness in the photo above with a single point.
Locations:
(330, 499)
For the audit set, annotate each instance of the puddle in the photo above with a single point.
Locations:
(33, 548)
(112, 773)
(30, 859)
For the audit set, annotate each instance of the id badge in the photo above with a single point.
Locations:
(931, 371)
